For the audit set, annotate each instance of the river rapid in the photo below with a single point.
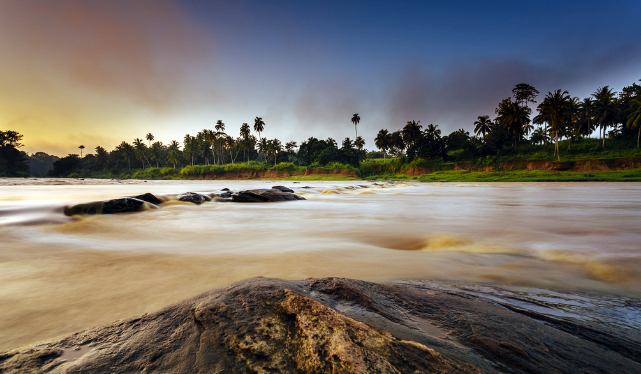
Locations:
(533, 241)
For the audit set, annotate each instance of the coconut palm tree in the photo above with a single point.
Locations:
(81, 148)
(173, 152)
(356, 119)
(259, 125)
(150, 138)
(140, 149)
(382, 141)
(585, 117)
(359, 142)
(411, 132)
(539, 136)
(157, 151)
(190, 147)
(605, 109)
(553, 108)
(127, 152)
(482, 125)
(515, 119)
(102, 156)
(634, 120)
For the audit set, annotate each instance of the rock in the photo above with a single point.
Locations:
(149, 198)
(225, 189)
(193, 197)
(225, 194)
(282, 188)
(124, 205)
(264, 195)
(222, 200)
(329, 325)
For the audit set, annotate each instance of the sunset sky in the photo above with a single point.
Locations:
(99, 72)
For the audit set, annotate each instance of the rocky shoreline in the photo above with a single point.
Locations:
(332, 325)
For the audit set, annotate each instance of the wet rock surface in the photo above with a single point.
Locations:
(150, 198)
(263, 196)
(282, 188)
(330, 325)
(193, 197)
(124, 205)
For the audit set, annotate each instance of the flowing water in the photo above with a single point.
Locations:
(60, 274)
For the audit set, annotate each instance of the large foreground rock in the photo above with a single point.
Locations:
(124, 205)
(329, 325)
(263, 196)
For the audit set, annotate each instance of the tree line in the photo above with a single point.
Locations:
(558, 116)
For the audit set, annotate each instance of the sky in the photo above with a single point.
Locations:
(96, 73)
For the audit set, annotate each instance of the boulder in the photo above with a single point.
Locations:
(225, 194)
(263, 196)
(223, 199)
(283, 189)
(331, 325)
(193, 197)
(225, 189)
(150, 198)
(124, 205)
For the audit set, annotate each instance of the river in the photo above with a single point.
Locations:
(62, 274)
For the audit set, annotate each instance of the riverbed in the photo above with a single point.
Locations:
(62, 274)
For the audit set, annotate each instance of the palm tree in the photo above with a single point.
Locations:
(539, 136)
(359, 142)
(140, 149)
(150, 138)
(173, 152)
(102, 156)
(220, 126)
(127, 152)
(81, 148)
(259, 126)
(157, 150)
(274, 147)
(515, 119)
(190, 147)
(605, 109)
(482, 125)
(634, 120)
(262, 147)
(572, 115)
(356, 119)
(411, 132)
(585, 117)
(382, 141)
(553, 109)
(347, 143)
(290, 147)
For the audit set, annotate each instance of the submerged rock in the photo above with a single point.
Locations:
(282, 188)
(264, 195)
(150, 198)
(193, 197)
(124, 205)
(329, 325)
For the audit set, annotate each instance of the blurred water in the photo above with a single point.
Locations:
(60, 274)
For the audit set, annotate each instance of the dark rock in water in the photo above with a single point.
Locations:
(264, 195)
(149, 198)
(282, 188)
(330, 325)
(306, 187)
(225, 189)
(124, 205)
(225, 194)
(223, 199)
(193, 197)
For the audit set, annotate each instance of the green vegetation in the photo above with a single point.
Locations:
(500, 145)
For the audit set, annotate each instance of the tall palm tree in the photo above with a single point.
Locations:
(150, 138)
(605, 109)
(127, 152)
(515, 119)
(585, 117)
(140, 149)
(245, 132)
(190, 147)
(173, 152)
(157, 152)
(102, 156)
(553, 109)
(356, 119)
(382, 141)
(81, 148)
(634, 120)
(411, 132)
(482, 125)
(359, 142)
(259, 125)
(263, 146)
(572, 117)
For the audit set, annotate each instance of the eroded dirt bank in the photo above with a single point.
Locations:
(331, 325)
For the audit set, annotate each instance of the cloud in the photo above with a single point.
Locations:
(143, 50)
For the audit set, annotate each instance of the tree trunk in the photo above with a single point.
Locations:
(603, 146)
(639, 134)
(556, 140)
